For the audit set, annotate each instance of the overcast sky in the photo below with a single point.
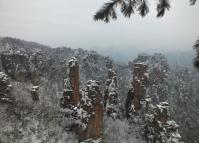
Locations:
(70, 23)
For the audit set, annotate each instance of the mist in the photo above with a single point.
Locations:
(71, 24)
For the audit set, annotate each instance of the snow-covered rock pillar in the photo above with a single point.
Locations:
(74, 79)
(139, 84)
(91, 108)
(111, 95)
(159, 127)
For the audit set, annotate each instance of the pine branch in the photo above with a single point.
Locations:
(143, 8)
(196, 60)
(127, 8)
(192, 2)
(196, 45)
(162, 6)
(107, 11)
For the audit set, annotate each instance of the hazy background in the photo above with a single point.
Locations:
(70, 23)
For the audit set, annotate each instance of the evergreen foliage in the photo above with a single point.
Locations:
(128, 7)
(196, 60)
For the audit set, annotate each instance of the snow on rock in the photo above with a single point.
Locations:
(35, 93)
(73, 62)
(67, 99)
(91, 102)
(4, 80)
(88, 114)
(74, 79)
(154, 115)
(158, 127)
(99, 140)
(71, 94)
(157, 72)
(47, 122)
(19, 67)
(138, 91)
(5, 89)
(111, 99)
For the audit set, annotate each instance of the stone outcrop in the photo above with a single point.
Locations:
(159, 127)
(128, 103)
(138, 90)
(67, 99)
(71, 94)
(74, 79)
(91, 104)
(158, 70)
(35, 93)
(88, 115)
(5, 89)
(18, 67)
(158, 81)
(140, 76)
(155, 116)
(86, 108)
(111, 100)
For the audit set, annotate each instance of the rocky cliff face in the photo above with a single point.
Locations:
(111, 97)
(140, 76)
(5, 89)
(92, 103)
(137, 93)
(184, 101)
(87, 110)
(38, 74)
(44, 78)
(154, 117)
(159, 127)
(50, 62)
(19, 67)
(74, 79)
(158, 70)
(178, 86)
